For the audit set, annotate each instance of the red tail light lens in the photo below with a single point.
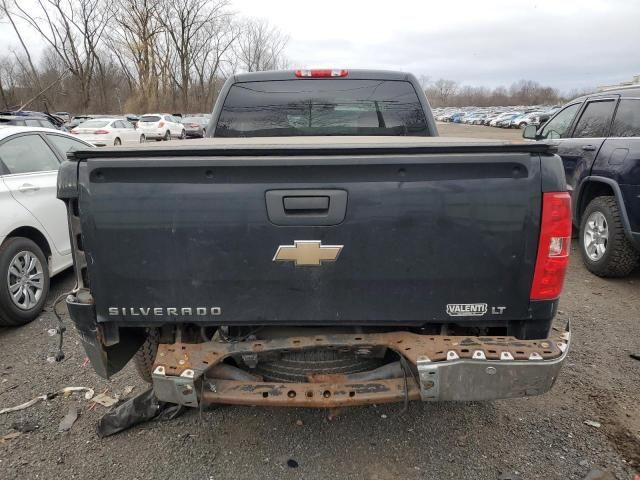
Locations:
(101, 132)
(553, 247)
(161, 124)
(321, 73)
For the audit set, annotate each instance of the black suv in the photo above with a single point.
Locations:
(32, 119)
(598, 138)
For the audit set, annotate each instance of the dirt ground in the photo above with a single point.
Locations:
(535, 438)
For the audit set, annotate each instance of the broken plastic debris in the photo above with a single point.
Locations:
(105, 400)
(592, 423)
(9, 436)
(143, 408)
(24, 405)
(89, 393)
(69, 419)
(87, 396)
(25, 425)
(127, 390)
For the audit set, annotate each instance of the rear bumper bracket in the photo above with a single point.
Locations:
(449, 368)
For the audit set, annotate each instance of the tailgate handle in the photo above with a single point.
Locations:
(306, 207)
(306, 204)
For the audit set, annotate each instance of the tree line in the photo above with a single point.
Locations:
(134, 56)
(118, 56)
(448, 93)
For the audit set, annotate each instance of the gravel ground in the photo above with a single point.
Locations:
(535, 438)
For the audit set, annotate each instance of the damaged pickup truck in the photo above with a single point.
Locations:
(324, 249)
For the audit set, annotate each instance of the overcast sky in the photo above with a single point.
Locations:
(563, 43)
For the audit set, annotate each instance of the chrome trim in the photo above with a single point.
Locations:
(478, 379)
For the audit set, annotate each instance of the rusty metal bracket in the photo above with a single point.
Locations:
(449, 368)
(175, 389)
(317, 395)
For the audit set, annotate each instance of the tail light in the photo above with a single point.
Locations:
(161, 124)
(101, 132)
(194, 125)
(74, 132)
(553, 247)
(321, 73)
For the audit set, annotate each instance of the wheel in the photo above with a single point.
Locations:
(24, 281)
(204, 132)
(146, 355)
(117, 142)
(605, 249)
(522, 125)
(142, 139)
(167, 135)
(183, 134)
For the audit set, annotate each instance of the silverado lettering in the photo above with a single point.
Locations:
(161, 311)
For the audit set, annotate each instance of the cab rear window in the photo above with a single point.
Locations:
(322, 107)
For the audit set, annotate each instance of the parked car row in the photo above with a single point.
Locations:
(501, 117)
(114, 131)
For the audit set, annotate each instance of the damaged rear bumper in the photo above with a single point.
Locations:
(440, 368)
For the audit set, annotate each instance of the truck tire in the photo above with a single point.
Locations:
(606, 250)
(23, 271)
(146, 355)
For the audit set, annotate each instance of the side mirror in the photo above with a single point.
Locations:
(529, 132)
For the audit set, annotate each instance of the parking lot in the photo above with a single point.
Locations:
(539, 437)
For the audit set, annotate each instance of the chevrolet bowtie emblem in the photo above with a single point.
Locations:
(307, 253)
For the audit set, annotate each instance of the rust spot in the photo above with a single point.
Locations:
(327, 378)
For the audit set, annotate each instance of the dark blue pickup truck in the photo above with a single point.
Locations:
(326, 248)
(598, 138)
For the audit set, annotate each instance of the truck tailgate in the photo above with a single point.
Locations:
(436, 236)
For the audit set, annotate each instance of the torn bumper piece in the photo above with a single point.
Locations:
(441, 368)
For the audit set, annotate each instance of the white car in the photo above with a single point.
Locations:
(34, 232)
(103, 132)
(161, 126)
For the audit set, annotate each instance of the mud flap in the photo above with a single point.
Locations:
(106, 358)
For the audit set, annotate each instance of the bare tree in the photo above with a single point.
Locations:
(184, 21)
(73, 29)
(213, 61)
(260, 47)
(6, 11)
(133, 41)
(442, 90)
(133, 55)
